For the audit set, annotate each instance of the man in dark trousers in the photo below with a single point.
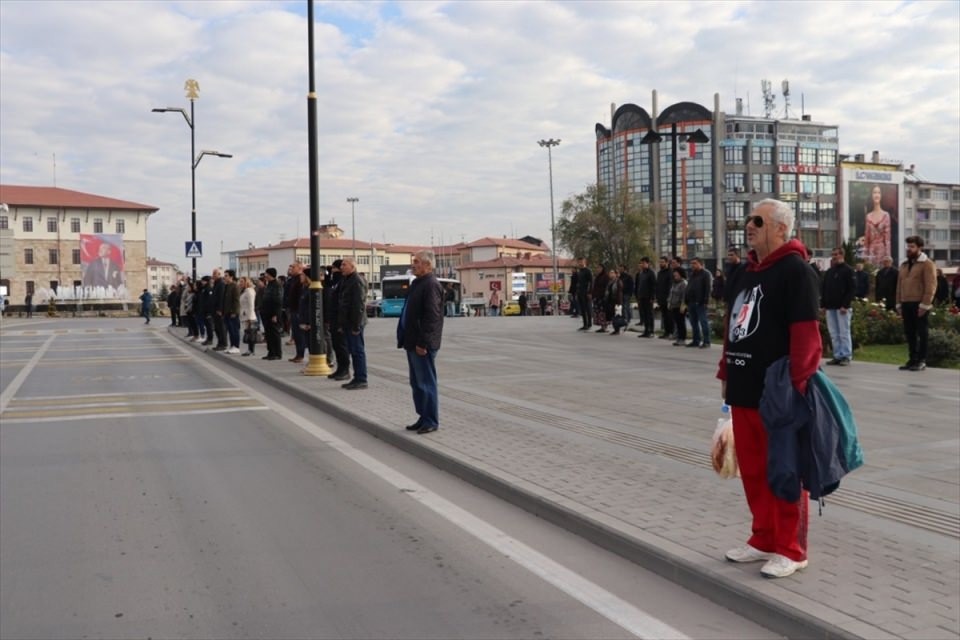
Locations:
(838, 288)
(584, 289)
(627, 285)
(773, 312)
(862, 280)
(885, 287)
(697, 298)
(219, 328)
(338, 340)
(270, 314)
(664, 284)
(351, 319)
(419, 332)
(645, 286)
(916, 285)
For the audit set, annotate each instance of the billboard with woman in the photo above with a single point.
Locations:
(874, 214)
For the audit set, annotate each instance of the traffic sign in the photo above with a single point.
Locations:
(194, 249)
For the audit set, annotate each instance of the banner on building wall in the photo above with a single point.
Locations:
(543, 283)
(101, 260)
(873, 213)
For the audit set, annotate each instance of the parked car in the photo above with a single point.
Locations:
(374, 310)
(511, 308)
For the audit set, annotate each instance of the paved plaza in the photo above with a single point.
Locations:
(609, 436)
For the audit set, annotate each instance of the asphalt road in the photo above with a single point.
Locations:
(146, 491)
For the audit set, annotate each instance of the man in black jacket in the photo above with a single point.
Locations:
(419, 332)
(351, 318)
(584, 289)
(627, 284)
(331, 308)
(664, 283)
(836, 297)
(219, 287)
(862, 280)
(270, 314)
(697, 298)
(645, 286)
(885, 290)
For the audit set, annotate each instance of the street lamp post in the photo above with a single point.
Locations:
(549, 144)
(353, 225)
(653, 137)
(193, 92)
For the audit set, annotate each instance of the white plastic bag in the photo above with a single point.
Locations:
(724, 453)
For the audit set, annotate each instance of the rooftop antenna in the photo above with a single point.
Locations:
(769, 100)
(785, 88)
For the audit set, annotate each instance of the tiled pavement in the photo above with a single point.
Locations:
(609, 435)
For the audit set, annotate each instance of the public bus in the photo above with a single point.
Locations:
(394, 293)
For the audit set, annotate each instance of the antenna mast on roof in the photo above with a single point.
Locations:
(785, 87)
(769, 100)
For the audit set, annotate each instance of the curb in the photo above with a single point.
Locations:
(777, 616)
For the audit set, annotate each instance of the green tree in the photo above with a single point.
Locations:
(164, 292)
(604, 229)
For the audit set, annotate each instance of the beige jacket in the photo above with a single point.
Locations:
(917, 283)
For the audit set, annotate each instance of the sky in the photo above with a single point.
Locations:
(429, 112)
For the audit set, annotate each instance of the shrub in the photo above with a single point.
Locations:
(943, 348)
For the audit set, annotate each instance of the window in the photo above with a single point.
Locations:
(762, 182)
(909, 192)
(808, 156)
(828, 213)
(27, 224)
(121, 225)
(54, 256)
(733, 155)
(761, 155)
(787, 155)
(4, 222)
(941, 215)
(827, 158)
(939, 235)
(28, 256)
(75, 256)
(924, 195)
(74, 225)
(808, 183)
(923, 215)
(828, 184)
(788, 183)
(735, 182)
(98, 225)
(51, 225)
(940, 194)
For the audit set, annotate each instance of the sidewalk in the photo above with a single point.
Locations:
(608, 436)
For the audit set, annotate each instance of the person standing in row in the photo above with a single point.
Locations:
(419, 332)
(351, 318)
(584, 291)
(665, 281)
(338, 341)
(916, 286)
(146, 303)
(219, 327)
(231, 310)
(270, 312)
(248, 315)
(838, 288)
(677, 305)
(646, 288)
(772, 312)
(885, 287)
(628, 288)
(697, 298)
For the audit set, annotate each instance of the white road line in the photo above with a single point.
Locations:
(132, 394)
(17, 382)
(608, 605)
(138, 414)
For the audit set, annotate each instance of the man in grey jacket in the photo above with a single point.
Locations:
(351, 319)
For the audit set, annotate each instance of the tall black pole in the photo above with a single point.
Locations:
(317, 364)
(673, 210)
(193, 189)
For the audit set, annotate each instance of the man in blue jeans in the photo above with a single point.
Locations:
(418, 332)
(697, 298)
(351, 318)
(836, 296)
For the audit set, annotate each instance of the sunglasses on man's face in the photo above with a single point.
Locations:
(756, 220)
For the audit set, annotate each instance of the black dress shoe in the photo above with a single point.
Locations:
(342, 376)
(334, 375)
(416, 426)
(425, 429)
(354, 385)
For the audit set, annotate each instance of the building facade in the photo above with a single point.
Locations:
(746, 160)
(71, 245)
(932, 211)
(161, 275)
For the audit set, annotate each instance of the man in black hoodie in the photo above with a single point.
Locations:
(645, 285)
(773, 312)
(664, 284)
(839, 286)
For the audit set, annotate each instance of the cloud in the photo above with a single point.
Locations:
(429, 112)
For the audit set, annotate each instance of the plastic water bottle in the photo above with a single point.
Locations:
(724, 415)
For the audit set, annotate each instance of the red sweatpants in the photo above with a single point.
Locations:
(778, 526)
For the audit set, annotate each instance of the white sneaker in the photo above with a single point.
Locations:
(781, 566)
(233, 350)
(746, 553)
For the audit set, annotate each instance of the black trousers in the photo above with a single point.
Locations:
(916, 329)
(666, 318)
(586, 312)
(645, 306)
(341, 352)
(271, 332)
(680, 321)
(220, 330)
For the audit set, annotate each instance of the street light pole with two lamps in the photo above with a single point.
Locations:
(549, 144)
(193, 93)
(353, 224)
(653, 137)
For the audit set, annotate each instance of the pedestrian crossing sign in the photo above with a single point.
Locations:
(194, 249)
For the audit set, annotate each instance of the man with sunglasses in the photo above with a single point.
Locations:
(773, 305)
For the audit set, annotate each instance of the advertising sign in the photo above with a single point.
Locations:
(873, 213)
(543, 283)
(519, 282)
(101, 260)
